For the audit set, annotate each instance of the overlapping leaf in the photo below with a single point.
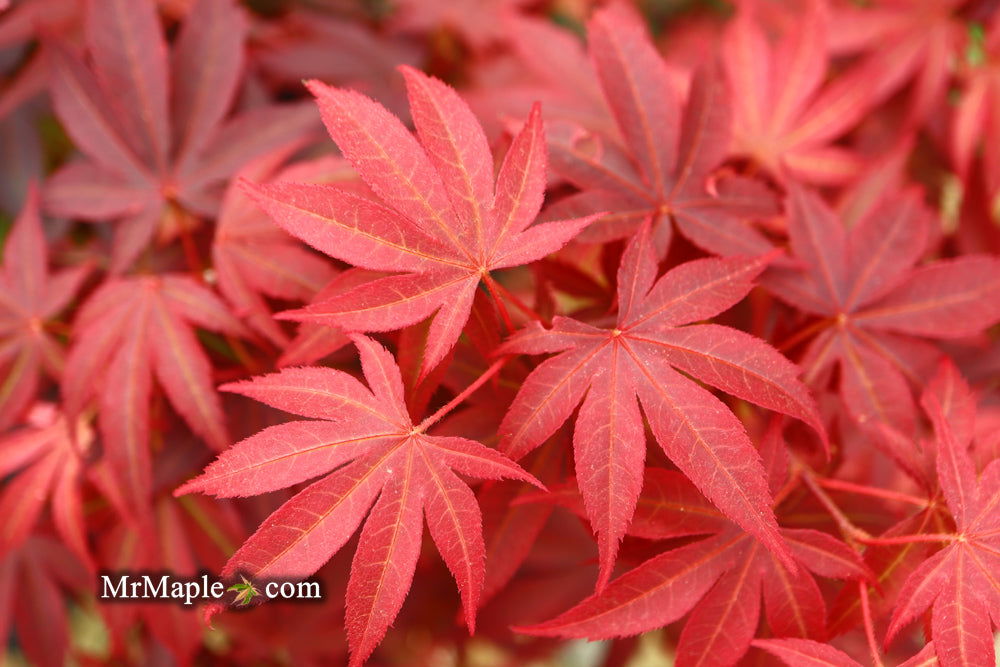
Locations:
(613, 370)
(152, 123)
(720, 580)
(782, 118)
(442, 220)
(254, 259)
(373, 458)
(129, 332)
(876, 304)
(960, 583)
(29, 298)
(670, 150)
(47, 460)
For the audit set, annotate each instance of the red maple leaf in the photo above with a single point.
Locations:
(782, 117)
(253, 259)
(442, 222)
(670, 150)
(899, 44)
(47, 462)
(875, 304)
(720, 579)
(128, 332)
(366, 438)
(610, 368)
(30, 297)
(152, 162)
(960, 583)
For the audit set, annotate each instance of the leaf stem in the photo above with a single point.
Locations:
(493, 287)
(524, 308)
(866, 613)
(784, 491)
(804, 334)
(468, 391)
(851, 532)
(851, 487)
(191, 253)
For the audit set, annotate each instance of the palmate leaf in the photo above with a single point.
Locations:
(876, 304)
(253, 259)
(382, 464)
(44, 462)
(442, 220)
(613, 371)
(720, 580)
(662, 172)
(960, 583)
(152, 123)
(782, 117)
(29, 297)
(900, 46)
(129, 331)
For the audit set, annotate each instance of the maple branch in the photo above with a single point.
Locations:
(468, 391)
(851, 487)
(866, 613)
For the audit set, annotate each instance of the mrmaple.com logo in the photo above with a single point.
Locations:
(167, 587)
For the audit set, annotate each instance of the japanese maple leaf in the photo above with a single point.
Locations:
(900, 43)
(152, 124)
(663, 172)
(363, 441)
(442, 222)
(32, 602)
(634, 362)
(876, 306)
(253, 259)
(30, 297)
(782, 118)
(28, 22)
(719, 579)
(128, 332)
(43, 463)
(960, 583)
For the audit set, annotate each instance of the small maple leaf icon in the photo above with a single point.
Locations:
(245, 592)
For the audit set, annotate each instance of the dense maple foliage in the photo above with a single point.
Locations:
(676, 323)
